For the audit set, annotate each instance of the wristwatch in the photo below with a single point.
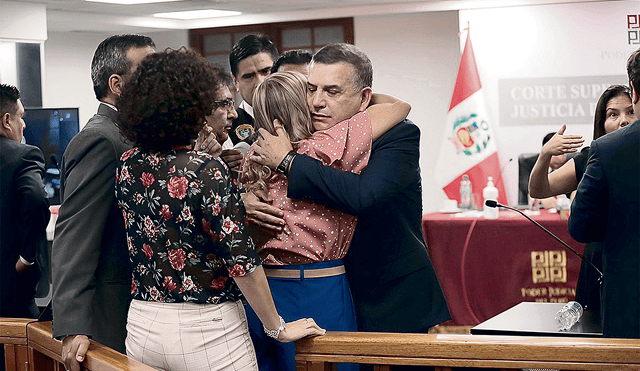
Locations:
(274, 333)
(283, 168)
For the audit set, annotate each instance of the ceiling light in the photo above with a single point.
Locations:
(130, 2)
(197, 14)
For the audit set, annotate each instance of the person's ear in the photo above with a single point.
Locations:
(365, 98)
(235, 83)
(5, 127)
(635, 95)
(5, 121)
(116, 83)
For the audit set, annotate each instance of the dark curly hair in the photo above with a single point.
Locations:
(165, 102)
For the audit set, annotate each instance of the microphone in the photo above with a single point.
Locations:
(492, 203)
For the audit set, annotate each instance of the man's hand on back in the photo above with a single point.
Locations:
(270, 149)
(261, 214)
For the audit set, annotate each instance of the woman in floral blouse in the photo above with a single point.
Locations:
(192, 259)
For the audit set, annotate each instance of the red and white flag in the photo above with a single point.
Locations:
(469, 145)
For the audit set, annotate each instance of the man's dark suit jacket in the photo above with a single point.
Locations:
(90, 262)
(242, 128)
(24, 215)
(393, 283)
(607, 208)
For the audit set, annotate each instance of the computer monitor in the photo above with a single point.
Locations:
(51, 129)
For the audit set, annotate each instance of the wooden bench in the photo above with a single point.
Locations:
(446, 351)
(29, 346)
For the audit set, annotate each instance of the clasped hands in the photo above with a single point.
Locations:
(209, 143)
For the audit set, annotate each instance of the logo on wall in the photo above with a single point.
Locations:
(470, 134)
(633, 29)
(548, 266)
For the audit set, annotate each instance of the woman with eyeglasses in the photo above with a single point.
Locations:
(192, 259)
(218, 123)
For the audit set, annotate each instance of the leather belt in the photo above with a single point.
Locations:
(304, 273)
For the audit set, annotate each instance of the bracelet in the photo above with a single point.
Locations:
(283, 168)
(274, 333)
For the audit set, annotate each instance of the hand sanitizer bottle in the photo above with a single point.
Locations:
(490, 192)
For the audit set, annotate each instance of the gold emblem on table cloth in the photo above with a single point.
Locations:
(244, 131)
(549, 266)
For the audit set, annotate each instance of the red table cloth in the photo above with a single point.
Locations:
(487, 266)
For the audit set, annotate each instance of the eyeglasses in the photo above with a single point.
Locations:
(228, 104)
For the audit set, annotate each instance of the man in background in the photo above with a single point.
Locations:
(607, 208)
(24, 210)
(251, 61)
(90, 262)
(293, 60)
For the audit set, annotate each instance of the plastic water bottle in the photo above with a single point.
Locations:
(490, 192)
(465, 192)
(568, 315)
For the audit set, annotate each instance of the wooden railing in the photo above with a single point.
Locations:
(29, 347)
(454, 350)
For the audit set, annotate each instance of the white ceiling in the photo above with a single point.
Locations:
(81, 16)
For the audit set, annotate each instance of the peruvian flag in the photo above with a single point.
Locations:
(469, 145)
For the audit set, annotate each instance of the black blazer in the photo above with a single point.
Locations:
(393, 283)
(90, 261)
(607, 208)
(242, 128)
(24, 215)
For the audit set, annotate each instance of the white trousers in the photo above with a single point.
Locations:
(190, 337)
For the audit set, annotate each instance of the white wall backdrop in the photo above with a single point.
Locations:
(67, 68)
(546, 41)
(415, 57)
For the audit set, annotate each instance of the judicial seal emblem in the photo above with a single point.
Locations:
(470, 134)
(244, 131)
(549, 266)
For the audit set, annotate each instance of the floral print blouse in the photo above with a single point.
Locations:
(184, 222)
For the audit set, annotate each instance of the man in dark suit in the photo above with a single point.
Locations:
(251, 61)
(24, 210)
(90, 262)
(393, 283)
(607, 208)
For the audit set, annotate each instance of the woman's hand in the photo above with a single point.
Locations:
(561, 144)
(233, 158)
(298, 329)
(207, 142)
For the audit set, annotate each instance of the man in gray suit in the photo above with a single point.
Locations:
(90, 262)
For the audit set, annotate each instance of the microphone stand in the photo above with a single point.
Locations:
(492, 203)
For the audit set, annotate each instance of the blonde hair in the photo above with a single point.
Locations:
(282, 96)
